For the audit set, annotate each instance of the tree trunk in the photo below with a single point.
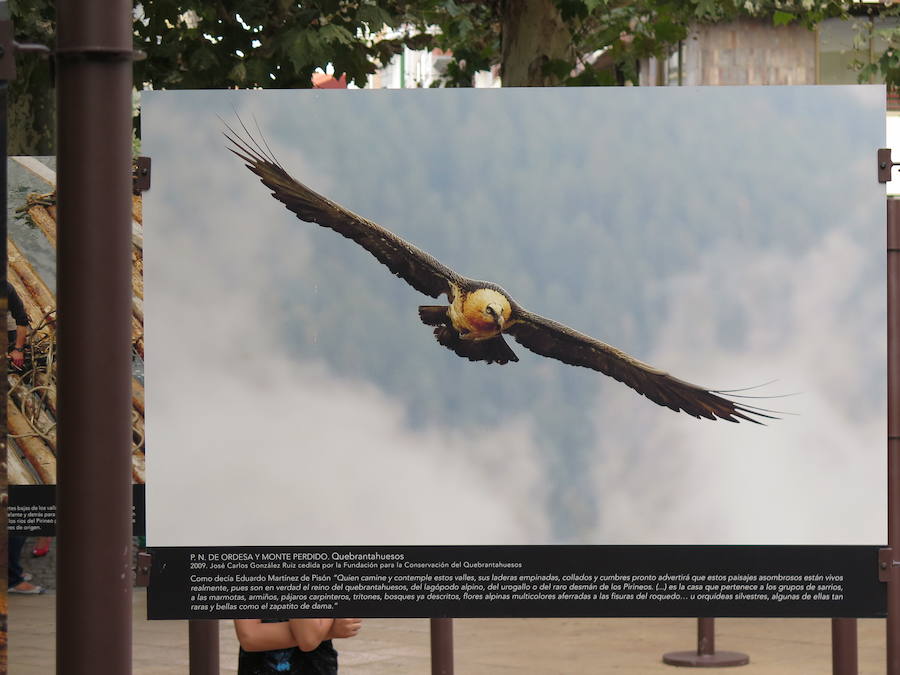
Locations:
(535, 41)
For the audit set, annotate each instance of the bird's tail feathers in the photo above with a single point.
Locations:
(494, 350)
(433, 315)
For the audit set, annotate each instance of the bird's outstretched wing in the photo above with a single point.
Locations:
(412, 264)
(549, 338)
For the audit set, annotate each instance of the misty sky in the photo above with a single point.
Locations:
(732, 236)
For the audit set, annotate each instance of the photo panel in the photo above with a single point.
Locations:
(655, 257)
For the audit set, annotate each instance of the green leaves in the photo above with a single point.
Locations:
(557, 68)
(708, 10)
(780, 18)
(303, 47)
(573, 9)
(374, 17)
(203, 58)
(260, 43)
(238, 74)
(888, 66)
(668, 31)
(591, 77)
(335, 33)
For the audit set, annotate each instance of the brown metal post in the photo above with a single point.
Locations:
(844, 652)
(203, 638)
(893, 430)
(7, 72)
(93, 82)
(706, 636)
(441, 646)
(706, 655)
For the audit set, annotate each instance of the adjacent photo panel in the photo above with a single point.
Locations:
(32, 353)
(515, 352)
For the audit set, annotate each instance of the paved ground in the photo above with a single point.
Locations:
(483, 646)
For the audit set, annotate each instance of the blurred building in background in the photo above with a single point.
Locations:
(741, 52)
(748, 52)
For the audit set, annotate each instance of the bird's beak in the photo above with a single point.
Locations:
(499, 321)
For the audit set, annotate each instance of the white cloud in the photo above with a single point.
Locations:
(813, 478)
(308, 458)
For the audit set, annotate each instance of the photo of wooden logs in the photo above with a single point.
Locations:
(31, 401)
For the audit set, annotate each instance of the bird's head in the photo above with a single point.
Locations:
(486, 311)
(494, 312)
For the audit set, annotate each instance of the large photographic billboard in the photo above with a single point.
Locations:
(303, 418)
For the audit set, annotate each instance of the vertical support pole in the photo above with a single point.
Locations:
(441, 646)
(94, 591)
(7, 72)
(706, 636)
(706, 655)
(203, 639)
(893, 431)
(844, 651)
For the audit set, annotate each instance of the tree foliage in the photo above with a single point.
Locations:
(886, 64)
(226, 43)
(281, 43)
(624, 31)
(32, 105)
(534, 42)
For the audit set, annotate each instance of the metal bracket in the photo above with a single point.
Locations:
(142, 569)
(32, 48)
(9, 47)
(885, 164)
(885, 563)
(140, 174)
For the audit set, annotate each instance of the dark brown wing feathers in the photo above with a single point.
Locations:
(549, 338)
(413, 265)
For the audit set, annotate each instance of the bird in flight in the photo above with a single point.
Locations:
(480, 313)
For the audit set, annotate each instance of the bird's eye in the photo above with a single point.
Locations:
(490, 310)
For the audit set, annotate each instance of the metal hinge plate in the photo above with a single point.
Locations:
(140, 173)
(142, 572)
(885, 164)
(885, 563)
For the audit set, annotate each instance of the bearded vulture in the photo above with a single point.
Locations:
(480, 313)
